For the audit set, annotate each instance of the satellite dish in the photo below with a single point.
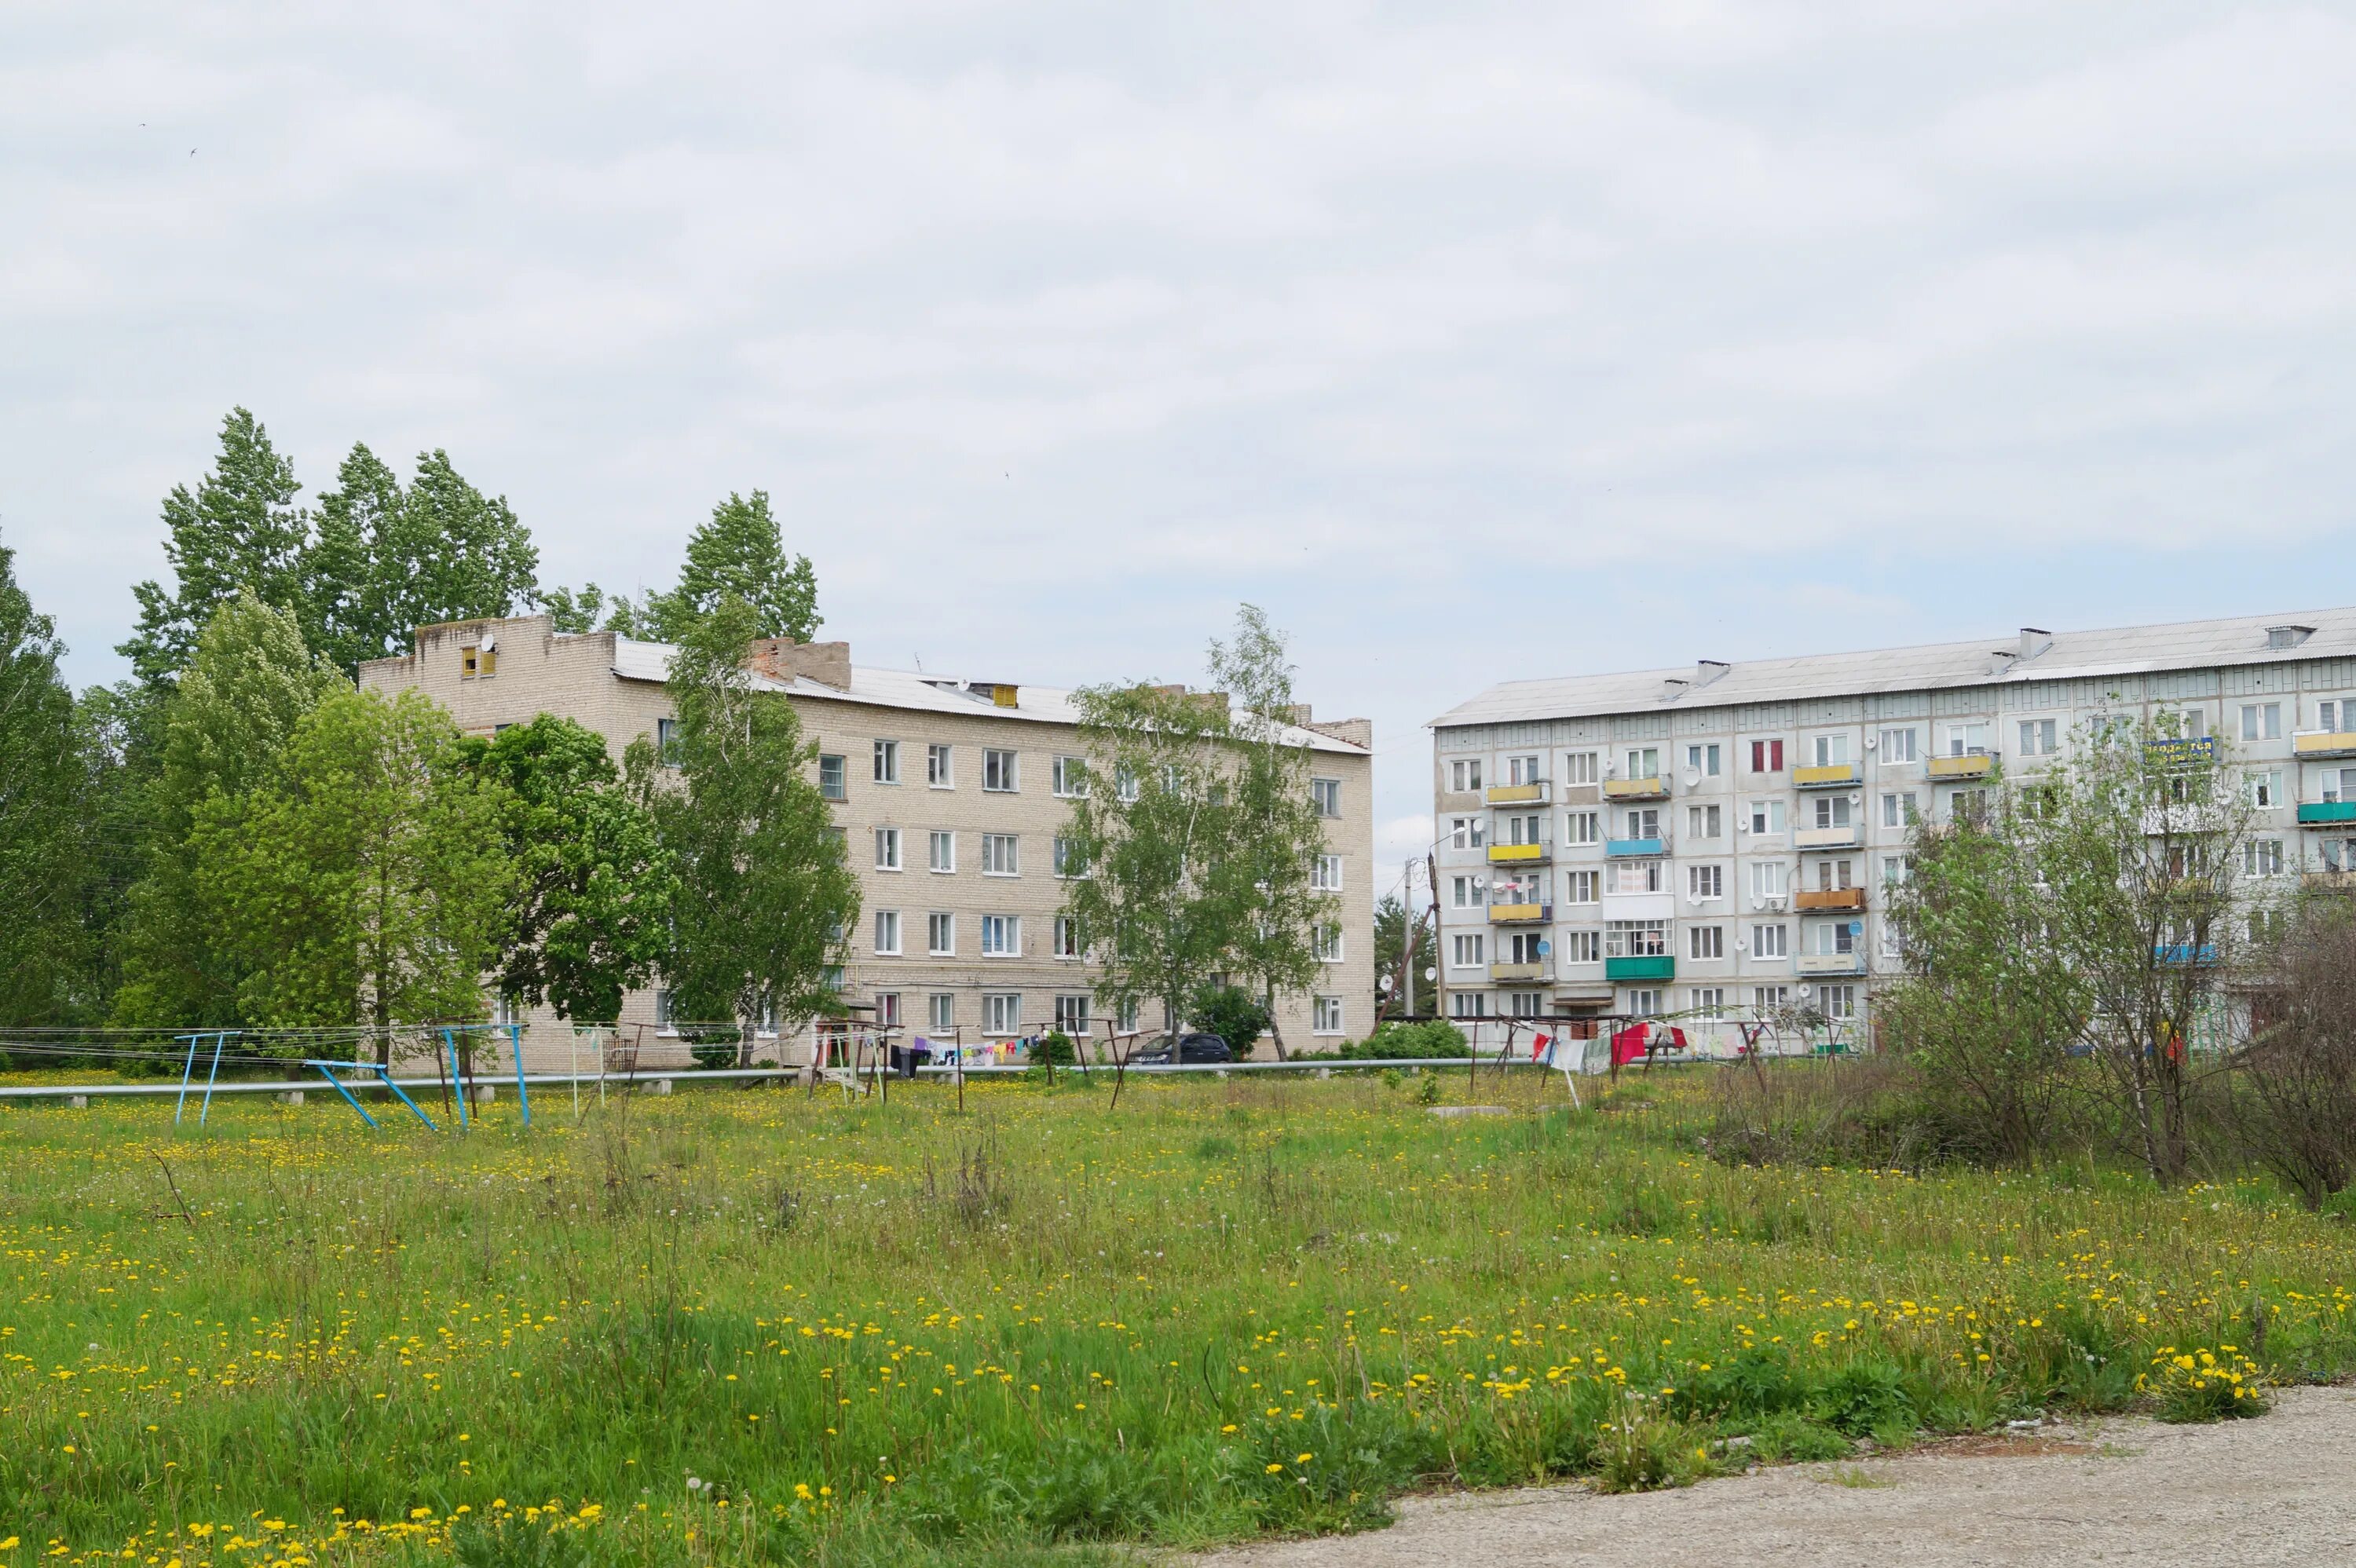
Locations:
(1432, 974)
(1693, 777)
(1741, 946)
(1871, 742)
(1384, 984)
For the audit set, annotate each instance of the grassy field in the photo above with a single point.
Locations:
(750, 1326)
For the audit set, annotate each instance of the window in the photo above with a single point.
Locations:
(1001, 935)
(1895, 869)
(2267, 927)
(1967, 739)
(1465, 951)
(1767, 879)
(1070, 781)
(1645, 1002)
(1835, 937)
(1644, 823)
(1125, 1014)
(943, 850)
(1468, 1005)
(1643, 762)
(1070, 861)
(1832, 811)
(472, 662)
(938, 772)
(2037, 737)
(664, 1016)
(1529, 1004)
(1329, 943)
(1464, 776)
(1702, 760)
(1466, 892)
(2191, 723)
(1582, 947)
(940, 935)
(1832, 876)
(1705, 821)
(2262, 722)
(1636, 939)
(1769, 999)
(831, 779)
(887, 932)
(1586, 827)
(1584, 887)
(1704, 882)
(1704, 942)
(2327, 714)
(999, 772)
(1068, 937)
(2337, 785)
(1707, 1002)
(2267, 788)
(1325, 1014)
(1768, 940)
(667, 742)
(1326, 874)
(1072, 1014)
(1898, 808)
(1766, 756)
(942, 1008)
(1837, 1002)
(1767, 817)
(1968, 805)
(1579, 767)
(1898, 746)
(887, 762)
(1525, 830)
(887, 849)
(1831, 751)
(1523, 770)
(1468, 832)
(2262, 858)
(1001, 1012)
(1001, 855)
(1635, 876)
(1327, 794)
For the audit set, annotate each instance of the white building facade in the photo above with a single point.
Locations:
(1714, 841)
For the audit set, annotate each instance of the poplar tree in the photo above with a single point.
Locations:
(741, 553)
(45, 818)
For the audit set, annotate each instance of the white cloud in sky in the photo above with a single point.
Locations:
(1483, 343)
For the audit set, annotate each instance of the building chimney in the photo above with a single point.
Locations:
(1673, 688)
(782, 658)
(1356, 731)
(1296, 714)
(2034, 642)
(2000, 661)
(1708, 670)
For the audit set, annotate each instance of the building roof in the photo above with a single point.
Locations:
(2070, 656)
(873, 687)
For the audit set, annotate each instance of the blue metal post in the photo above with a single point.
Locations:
(523, 1095)
(187, 1073)
(450, 1043)
(384, 1076)
(349, 1099)
(206, 1109)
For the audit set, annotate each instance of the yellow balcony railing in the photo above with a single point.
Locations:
(2325, 743)
(1655, 787)
(1975, 767)
(1519, 853)
(1518, 794)
(1830, 776)
(1519, 914)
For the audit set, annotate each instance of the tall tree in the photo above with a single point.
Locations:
(248, 685)
(45, 820)
(741, 553)
(367, 879)
(593, 885)
(391, 557)
(240, 530)
(766, 898)
(1282, 916)
(593, 610)
(1391, 923)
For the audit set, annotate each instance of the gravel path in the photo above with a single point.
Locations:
(2279, 1489)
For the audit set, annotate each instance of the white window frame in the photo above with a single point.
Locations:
(1704, 759)
(1766, 817)
(1464, 776)
(1705, 944)
(1583, 947)
(1070, 780)
(1587, 882)
(887, 933)
(940, 767)
(1007, 931)
(1072, 1014)
(887, 849)
(1325, 1014)
(1466, 951)
(1769, 939)
(1002, 1014)
(1329, 943)
(2262, 722)
(940, 1009)
(1067, 938)
(1899, 745)
(1326, 793)
(1586, 827)
(1001, 854)
(1326, 874)
(940, 851)
(1005, 767)
(1580, 768)
(887, 762)
(941, 934)
(1705, 884)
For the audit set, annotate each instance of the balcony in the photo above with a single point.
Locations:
(1832, 775)
(2327, 813)
(1531, 794)
(1536, 854)
(2176, 954)
(1830, 963)
(1634, 848)
(1826, 900)
(1976, 766)
(2183, 752)
(1844, 838)
(1660, 967)
(1535, 973)
(1654, 788)
(1520, 915)
(2329, 881)
(2325, 743)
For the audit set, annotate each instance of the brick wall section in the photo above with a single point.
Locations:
(538, 670)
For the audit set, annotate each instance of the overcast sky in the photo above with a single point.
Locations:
(1474, 342)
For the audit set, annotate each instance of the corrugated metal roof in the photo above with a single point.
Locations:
(2073, 655)
(635, 660)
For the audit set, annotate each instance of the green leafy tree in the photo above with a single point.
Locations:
(593, 610)
(1391, 922)
(248, 685)
(766, 897)
(1275, 835)
(367, 879)
(740, 554)
(45, 822)
(389, 558)
(593, 886)
(241, 529)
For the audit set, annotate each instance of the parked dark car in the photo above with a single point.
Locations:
(1192, 1050)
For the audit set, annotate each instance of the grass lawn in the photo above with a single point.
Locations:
(736, 1326)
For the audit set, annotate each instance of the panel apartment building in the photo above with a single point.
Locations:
(950, 793)
(1713, 841)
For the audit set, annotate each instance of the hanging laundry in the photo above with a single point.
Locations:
(1628, 1045)
(1539, 1046)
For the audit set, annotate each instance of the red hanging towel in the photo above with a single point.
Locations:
(1538, 1044)
(1628, 1045)
(1676, 1037)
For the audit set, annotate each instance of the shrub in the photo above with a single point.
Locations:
(1232, 1013)
(1055, 1046)
(1408, 1041)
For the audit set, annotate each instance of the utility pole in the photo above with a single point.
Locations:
(1407, 940)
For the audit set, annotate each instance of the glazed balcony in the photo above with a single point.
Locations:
(1655, 788)
(1976, 766)
(1830, 963)
(1520, 913)
(1655, 967)
(1829, 900)
(2324, 744)
(1538, 972)
(1832, 775)
(1537, 854)
(1532, 794)
(1850, 837)
(2327, 813)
